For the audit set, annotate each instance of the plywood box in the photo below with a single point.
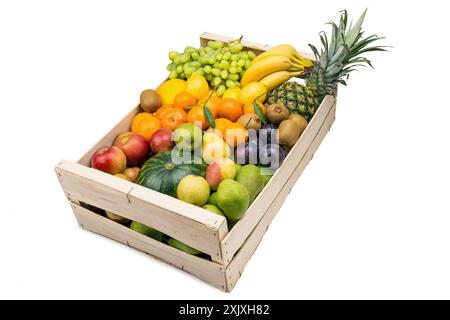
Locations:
(88, 190)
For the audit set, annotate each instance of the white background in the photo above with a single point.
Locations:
(369, 218)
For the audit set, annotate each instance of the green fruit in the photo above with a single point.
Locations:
(193, 189)
(213, 208)
(266, 174)
(188, 137)
(183, 247)
(213, 199)
(233, 199)
(161, 174)
(250, 177)
(145, 230)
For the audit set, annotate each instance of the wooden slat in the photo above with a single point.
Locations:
(108, 139)
(256, 47)
(236, 267)
(256, 211)
(210, 272)
(192, 225)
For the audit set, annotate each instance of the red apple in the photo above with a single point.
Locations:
(161, 140)
(132, 173)
(111, 160)
(134, 146)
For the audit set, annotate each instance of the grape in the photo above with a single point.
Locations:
(209, 77)
(220, 90)
(226, 56)
(171, 66)
(224, 64)
(234, 77)
(237, 84)
(209, 50)
(247, 64)
(219, 56)
(233, 70)
(215, 72)
(202, 52)
(195, 55)
(234, 64)
(173, 74)
(234, 57)
(201, 71)
(243, 55)
(189, 50)
(185, 57)
(216, 65)
(236, 47)
(216, 81)
(215, 44)
(211, 60)
(178, 59)
(251, 55)
(189, 73)
(224, 74)
(180, 69)
(183, 75)
(239, 69)
(207, 68)
(230, 84)
(173, 55)
(241, 62)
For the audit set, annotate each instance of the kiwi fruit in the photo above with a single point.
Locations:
(288, 133)
(300, 121)
(150, 100)
(250, 121)
(277, 112)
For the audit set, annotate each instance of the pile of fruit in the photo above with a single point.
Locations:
(213, 134)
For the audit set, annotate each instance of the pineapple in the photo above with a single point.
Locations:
(333, 64)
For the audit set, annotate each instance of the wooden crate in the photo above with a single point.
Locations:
(87, 189)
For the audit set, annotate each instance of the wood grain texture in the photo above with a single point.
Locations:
(256, 211)
(208, 271)
(192, 225)
(237, 265)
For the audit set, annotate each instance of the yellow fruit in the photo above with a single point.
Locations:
(232, 93)
(169, 89)
(276, 79)
(197, 85)
(252, 91)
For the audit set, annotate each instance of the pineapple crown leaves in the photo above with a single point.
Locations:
(342, 55)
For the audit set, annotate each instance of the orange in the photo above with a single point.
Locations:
(145, 124)
(221, 126)
(248, 108)
(161, 111)
(196, 115)
(230, 109)
(212, 104)
(236, 134)
(173, 118)
(184, 99)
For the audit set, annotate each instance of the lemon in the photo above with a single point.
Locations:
(169, 89)
(232, 93)
(252, 91)
(197, 86)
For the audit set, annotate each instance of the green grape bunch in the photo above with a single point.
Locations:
(222, 64)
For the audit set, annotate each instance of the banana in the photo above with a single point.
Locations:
(288, 51)
(269, 64)
(276, 79)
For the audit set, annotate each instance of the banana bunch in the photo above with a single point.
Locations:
(276, 66)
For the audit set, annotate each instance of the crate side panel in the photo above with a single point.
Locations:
(254, 214)
(194, 226)
(236, 267)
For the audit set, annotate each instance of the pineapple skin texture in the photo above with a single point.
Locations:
(296, 97)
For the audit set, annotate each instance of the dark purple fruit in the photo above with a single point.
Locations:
(247, 153)
(272, 155)
(267, 133)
